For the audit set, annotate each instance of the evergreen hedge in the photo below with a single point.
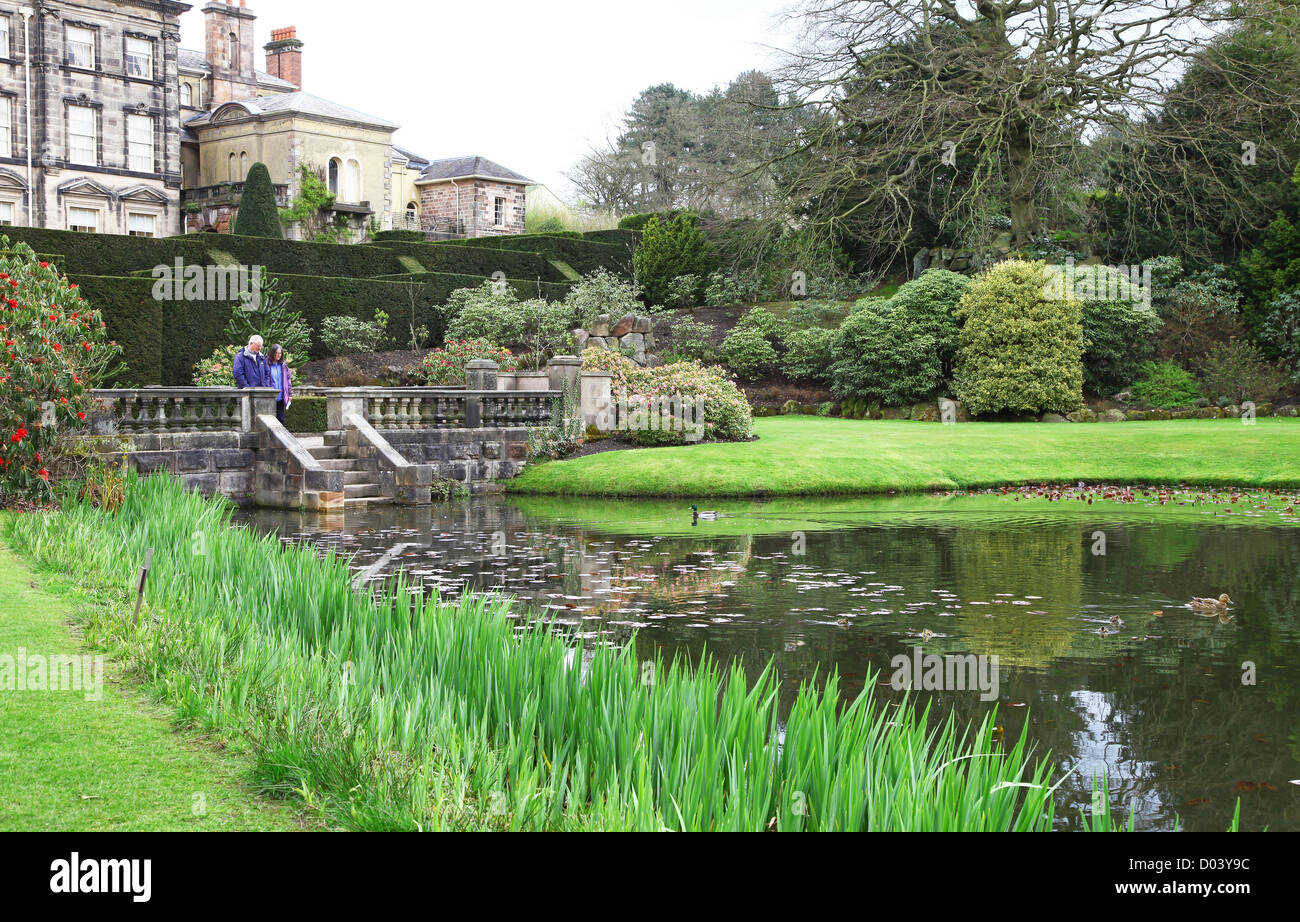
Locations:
(258, 216)
(476, 260)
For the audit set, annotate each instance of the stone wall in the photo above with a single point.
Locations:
(632, 332)
(208, 462)
(469, 456)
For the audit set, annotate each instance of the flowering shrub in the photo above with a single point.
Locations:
(728, 416)
(55, 350)
(218, 369)
(446, 366)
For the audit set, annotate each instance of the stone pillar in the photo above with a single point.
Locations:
(564, 372)
(340, 404)
(598, 400)
(481, 375)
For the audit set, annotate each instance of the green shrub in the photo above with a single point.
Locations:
(344, 335)
(901, 350)
(809, 355)
(1119, 336)
(218, 369)
(1018, 351)
(307, 414)
(638, 222)
(668, 250)
(765, 323)
(727, 413)
(747, 352)
(258, 216)
(1281, 330)
(601, 292)
(723, 288)
(1165, 384)
(1238, 371)
(691, 341)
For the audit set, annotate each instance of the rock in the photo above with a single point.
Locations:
(653, 361)
(580, 337)
(632, 341)
(602, 326)
(1208, 413)
(1158, 414)
(1232, 410)
(1113, 416)
(1082, 415)
(925, 412)
(624, 325)
(895, 413)
(597, 342)
(1264, 409)
(1288, 411)
(642, 325)
(1138, 415)
(1054, 418)
(1182, 414)
(649, 340)
(790, 407)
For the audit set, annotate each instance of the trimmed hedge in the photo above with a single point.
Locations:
(135, 320)
(258, 215)
(307, 414)
(476, 260)
(617, 237)
(583, 255)
(402, 236)
(111, 254)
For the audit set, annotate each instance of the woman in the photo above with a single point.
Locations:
(281, 379)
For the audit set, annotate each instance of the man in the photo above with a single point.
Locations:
(251, 367)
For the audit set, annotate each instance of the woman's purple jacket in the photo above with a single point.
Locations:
(286, 384)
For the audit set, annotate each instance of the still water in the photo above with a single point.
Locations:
(1185, 711)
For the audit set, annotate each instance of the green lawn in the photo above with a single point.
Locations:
(114, 764)
(804, 455)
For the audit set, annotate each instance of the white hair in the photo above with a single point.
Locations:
(255, 339)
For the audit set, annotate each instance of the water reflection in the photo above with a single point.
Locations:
(1155, 699)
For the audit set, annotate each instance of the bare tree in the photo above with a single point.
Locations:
(948, 111)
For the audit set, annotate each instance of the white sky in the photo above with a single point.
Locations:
(531, 85)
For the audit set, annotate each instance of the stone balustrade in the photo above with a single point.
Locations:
(158, 410)
(413, 408)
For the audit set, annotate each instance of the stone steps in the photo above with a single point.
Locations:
(353, 491)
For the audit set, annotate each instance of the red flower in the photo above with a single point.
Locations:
(45, 475)
(19, 435)
(58, 347)
(80, 415)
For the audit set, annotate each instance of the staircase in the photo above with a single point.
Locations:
(360, 477)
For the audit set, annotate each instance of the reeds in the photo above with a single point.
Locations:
(390, 710)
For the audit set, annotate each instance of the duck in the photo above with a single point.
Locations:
(707, 516)
(1211, 605)
(1115, 620)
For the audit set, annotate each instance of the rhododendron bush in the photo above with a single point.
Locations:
(446, 366)
(728, 416)
(55, 350)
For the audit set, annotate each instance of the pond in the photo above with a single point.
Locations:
(1186, 711)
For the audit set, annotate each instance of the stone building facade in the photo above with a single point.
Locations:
(89, 123)
(471, 197)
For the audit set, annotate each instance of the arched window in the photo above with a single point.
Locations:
(234, 167)
(352, 182)
(187, 95)
(412, 214)
(243, 165)
(333, 180)
(234, 52)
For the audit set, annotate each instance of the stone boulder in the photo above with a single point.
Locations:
(602, 326)
(624, 325)
(1113, 416)
(1082, 415)
(1054, 418)
(643, 325)
(925, 412)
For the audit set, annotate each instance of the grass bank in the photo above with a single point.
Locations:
(394, 711)
(103, 759)
(805, 455)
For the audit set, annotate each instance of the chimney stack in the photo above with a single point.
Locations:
(228, 32)
(284, 55)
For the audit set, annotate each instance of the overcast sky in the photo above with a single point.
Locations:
(531, 85)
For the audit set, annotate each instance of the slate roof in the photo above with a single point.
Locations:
(196, 60)
(299, 103)
(465, 167)
(411, 156)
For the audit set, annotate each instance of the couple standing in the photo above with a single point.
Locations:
(253, 369)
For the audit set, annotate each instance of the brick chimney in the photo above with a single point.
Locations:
(284, 55)
(228, 46)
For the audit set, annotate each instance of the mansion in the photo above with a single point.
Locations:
(107, 125)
